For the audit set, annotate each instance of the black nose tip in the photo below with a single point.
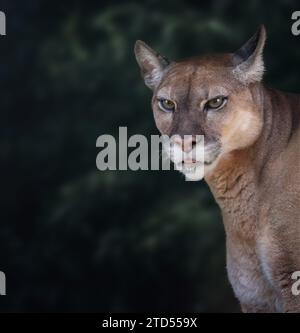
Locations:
(187, 143)
(194, 142)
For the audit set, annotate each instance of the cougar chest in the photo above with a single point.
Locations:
(247, 278)
(237, 195)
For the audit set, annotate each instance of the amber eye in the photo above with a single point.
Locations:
(216, 103)
(166, 105)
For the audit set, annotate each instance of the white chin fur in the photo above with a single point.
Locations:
(192, 173)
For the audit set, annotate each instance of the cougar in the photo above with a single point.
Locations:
(251, 160)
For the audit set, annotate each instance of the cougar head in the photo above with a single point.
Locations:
(210, 97)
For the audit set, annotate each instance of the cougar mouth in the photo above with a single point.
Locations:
(188, 166)
(195, 169)
(193, 163)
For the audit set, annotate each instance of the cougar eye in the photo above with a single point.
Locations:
(166, 105)
(216, 103)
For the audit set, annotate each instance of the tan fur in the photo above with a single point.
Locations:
(252, 168)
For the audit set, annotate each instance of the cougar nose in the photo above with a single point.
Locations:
(187, 143)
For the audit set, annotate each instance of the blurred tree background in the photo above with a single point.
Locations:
(73, 238)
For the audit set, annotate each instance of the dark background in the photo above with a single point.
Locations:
(73, 238)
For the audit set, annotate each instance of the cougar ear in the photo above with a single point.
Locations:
(248, 60)
(152, 64)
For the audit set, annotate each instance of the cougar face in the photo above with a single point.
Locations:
(206, 97)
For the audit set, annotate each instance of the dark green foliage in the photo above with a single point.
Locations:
(76, 239)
